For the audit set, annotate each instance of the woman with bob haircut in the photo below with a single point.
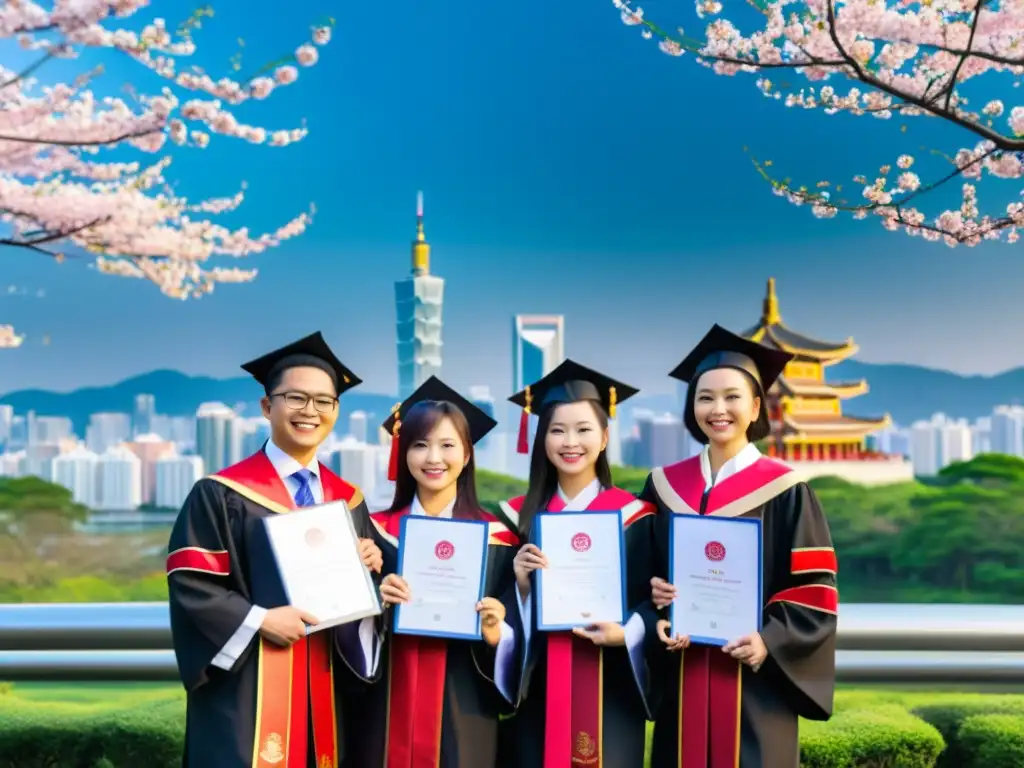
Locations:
(737, 702)
(584, 692)
(439, 704)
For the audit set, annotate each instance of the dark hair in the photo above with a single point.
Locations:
(273, 380)
(544, 476)
(759, 429)
(417, 424)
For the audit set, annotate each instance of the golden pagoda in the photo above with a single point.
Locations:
(806, 413)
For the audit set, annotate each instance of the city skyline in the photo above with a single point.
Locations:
(548, 209)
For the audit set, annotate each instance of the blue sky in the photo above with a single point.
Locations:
(568, 167)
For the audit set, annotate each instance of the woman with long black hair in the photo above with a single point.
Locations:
(438, 706)
(582, 693)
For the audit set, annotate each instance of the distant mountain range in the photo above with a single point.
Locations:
(906, 392)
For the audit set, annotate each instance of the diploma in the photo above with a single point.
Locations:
(317, 554)
(583, 583)
(716, 570)
(444, 562)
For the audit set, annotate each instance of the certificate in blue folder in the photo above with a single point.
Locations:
(444, 562)
(584, 582)
(715, 566)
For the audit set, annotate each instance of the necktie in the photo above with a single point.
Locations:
(303, 496)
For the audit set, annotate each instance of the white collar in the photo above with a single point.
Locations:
(417, 509)
(285, 465)
(742, 460)
(583, 499)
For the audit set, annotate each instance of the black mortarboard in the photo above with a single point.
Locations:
(724, 349)
(433, 389)
(311, 351)
(570, 382)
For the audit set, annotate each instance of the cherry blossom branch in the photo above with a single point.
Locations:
(56, 196)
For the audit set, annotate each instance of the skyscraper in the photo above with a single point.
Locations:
(418, 301)
(538, 347)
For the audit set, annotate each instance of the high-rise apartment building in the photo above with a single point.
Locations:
(419, 299)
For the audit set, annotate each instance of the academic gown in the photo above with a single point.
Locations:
(579, 703)
(285, 705)
(732, 716)
(437, 705)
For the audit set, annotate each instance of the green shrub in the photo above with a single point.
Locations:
(52, 735)
(993, 741)
(950, 714)
(884, 735)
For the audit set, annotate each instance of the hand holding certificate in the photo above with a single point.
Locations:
(443, 564)
(320, 566)
(583, 583)
(716, 572)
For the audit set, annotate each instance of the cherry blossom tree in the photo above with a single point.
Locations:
(61, 197)
(885, 58)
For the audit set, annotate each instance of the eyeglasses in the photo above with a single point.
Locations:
(296, 401)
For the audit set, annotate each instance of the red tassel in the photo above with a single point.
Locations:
(524, 423)
(393, 460)
(524, 433)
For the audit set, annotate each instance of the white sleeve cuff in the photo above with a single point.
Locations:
(239, 641)
(371, 648)
(525, 614)
(504, 657)
(636, 631)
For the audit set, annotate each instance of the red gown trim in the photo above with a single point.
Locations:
(575, 672)
(211, 561)
(813, 560)
(818, 597)
(305, 669)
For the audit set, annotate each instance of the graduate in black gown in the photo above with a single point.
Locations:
(260, 692)
(438, 703)
(739, 704)
(583, 694)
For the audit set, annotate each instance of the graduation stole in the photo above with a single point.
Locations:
(575, 668)
(290, 679)
(416, 672)
(710, 682)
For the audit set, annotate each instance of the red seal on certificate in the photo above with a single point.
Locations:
(315, 537)
(444, 550)
(581, 542)
(715, 551)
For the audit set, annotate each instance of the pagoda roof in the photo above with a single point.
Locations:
(814, 388)
(773, 332)
(822, 425)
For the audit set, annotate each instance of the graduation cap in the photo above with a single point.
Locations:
(435, 390)
(311, 351)
(724, 349)
(570, 382)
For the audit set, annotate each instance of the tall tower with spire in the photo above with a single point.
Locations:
(419, 298)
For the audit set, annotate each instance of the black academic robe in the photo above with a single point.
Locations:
(797, 679)
(579, 703)
(286, 705)
(437, 705)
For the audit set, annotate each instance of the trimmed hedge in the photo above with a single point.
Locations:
(950, 714)
(870, 729)
(885, 735)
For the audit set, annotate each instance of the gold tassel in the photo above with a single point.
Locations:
(611, 402)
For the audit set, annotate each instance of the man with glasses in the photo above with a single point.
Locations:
(260, 692)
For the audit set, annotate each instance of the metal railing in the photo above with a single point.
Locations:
(979, 645)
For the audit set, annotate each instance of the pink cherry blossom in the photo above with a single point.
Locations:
(883, 58)
(59, 196)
